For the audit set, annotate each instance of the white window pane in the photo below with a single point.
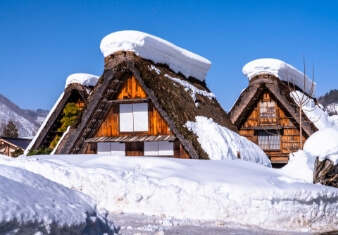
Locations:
(140, 111)
(166, 148)
(150, 148)
(271, 104)
(126, 117)
(103, 148)
(118, 149)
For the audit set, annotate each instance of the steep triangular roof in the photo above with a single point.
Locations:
(178, 100)
(48, 128)
(281, 93)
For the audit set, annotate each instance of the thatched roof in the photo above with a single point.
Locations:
(279, 90)
(171, 99)
(49, 127)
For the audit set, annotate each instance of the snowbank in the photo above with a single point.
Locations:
(281, 70)
(233, 191)
(311, 110)
(323, 144)
(221, 143)
(333, 121)
(31, 204)
(84, 79)
(300, 166)
(158, 50)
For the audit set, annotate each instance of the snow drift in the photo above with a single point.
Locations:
(31, 204)
(322, 144)
(234, 191)
(221, 143)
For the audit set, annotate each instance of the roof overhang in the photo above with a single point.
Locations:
(126, 139)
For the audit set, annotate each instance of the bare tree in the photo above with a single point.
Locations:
(302, 98)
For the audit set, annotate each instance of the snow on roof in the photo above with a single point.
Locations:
(323, 144)
(221, 143)
(84, 79)
(282, 70)
(311, 110)
(158, 50)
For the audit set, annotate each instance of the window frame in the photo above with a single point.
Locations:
(137, 117)
(269, 140)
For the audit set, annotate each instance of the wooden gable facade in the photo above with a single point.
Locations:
(134, 127)
(266, 114)
(135, 109)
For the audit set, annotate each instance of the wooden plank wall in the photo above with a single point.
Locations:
(290, 133)
(130, 91)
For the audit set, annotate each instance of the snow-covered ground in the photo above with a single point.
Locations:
(32, 204)
(235, 191)
(132, 224)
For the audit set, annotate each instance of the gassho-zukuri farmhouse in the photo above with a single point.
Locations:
(152, 100)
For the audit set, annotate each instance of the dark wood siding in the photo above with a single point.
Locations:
(132, 92)
(282, 124)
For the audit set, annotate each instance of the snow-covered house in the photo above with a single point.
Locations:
(76, 91)
(8, 146)
(141, 105)
(267, 114)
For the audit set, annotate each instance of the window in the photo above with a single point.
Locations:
(269, 140)
(111, 148)
(134, 117)
(159, 148)
(267, 109)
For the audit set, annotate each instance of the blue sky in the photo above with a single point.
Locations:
(42, 42)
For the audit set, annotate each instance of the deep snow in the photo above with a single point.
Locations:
(221, 143)
(84, 79)
(158, 50)
(281, 70)
(31, 204)
(230, 190)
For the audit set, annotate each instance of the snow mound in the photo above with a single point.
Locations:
(323, 144)
(334, 121)
(233, 191)
(31, 204)
(84, 79)
(221, 143)
(300, 166)
(316, 115)
(158, 50)
(280, 69)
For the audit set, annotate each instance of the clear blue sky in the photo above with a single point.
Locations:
(42, 42)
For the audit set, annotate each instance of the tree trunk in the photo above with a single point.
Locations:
(325, 173)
